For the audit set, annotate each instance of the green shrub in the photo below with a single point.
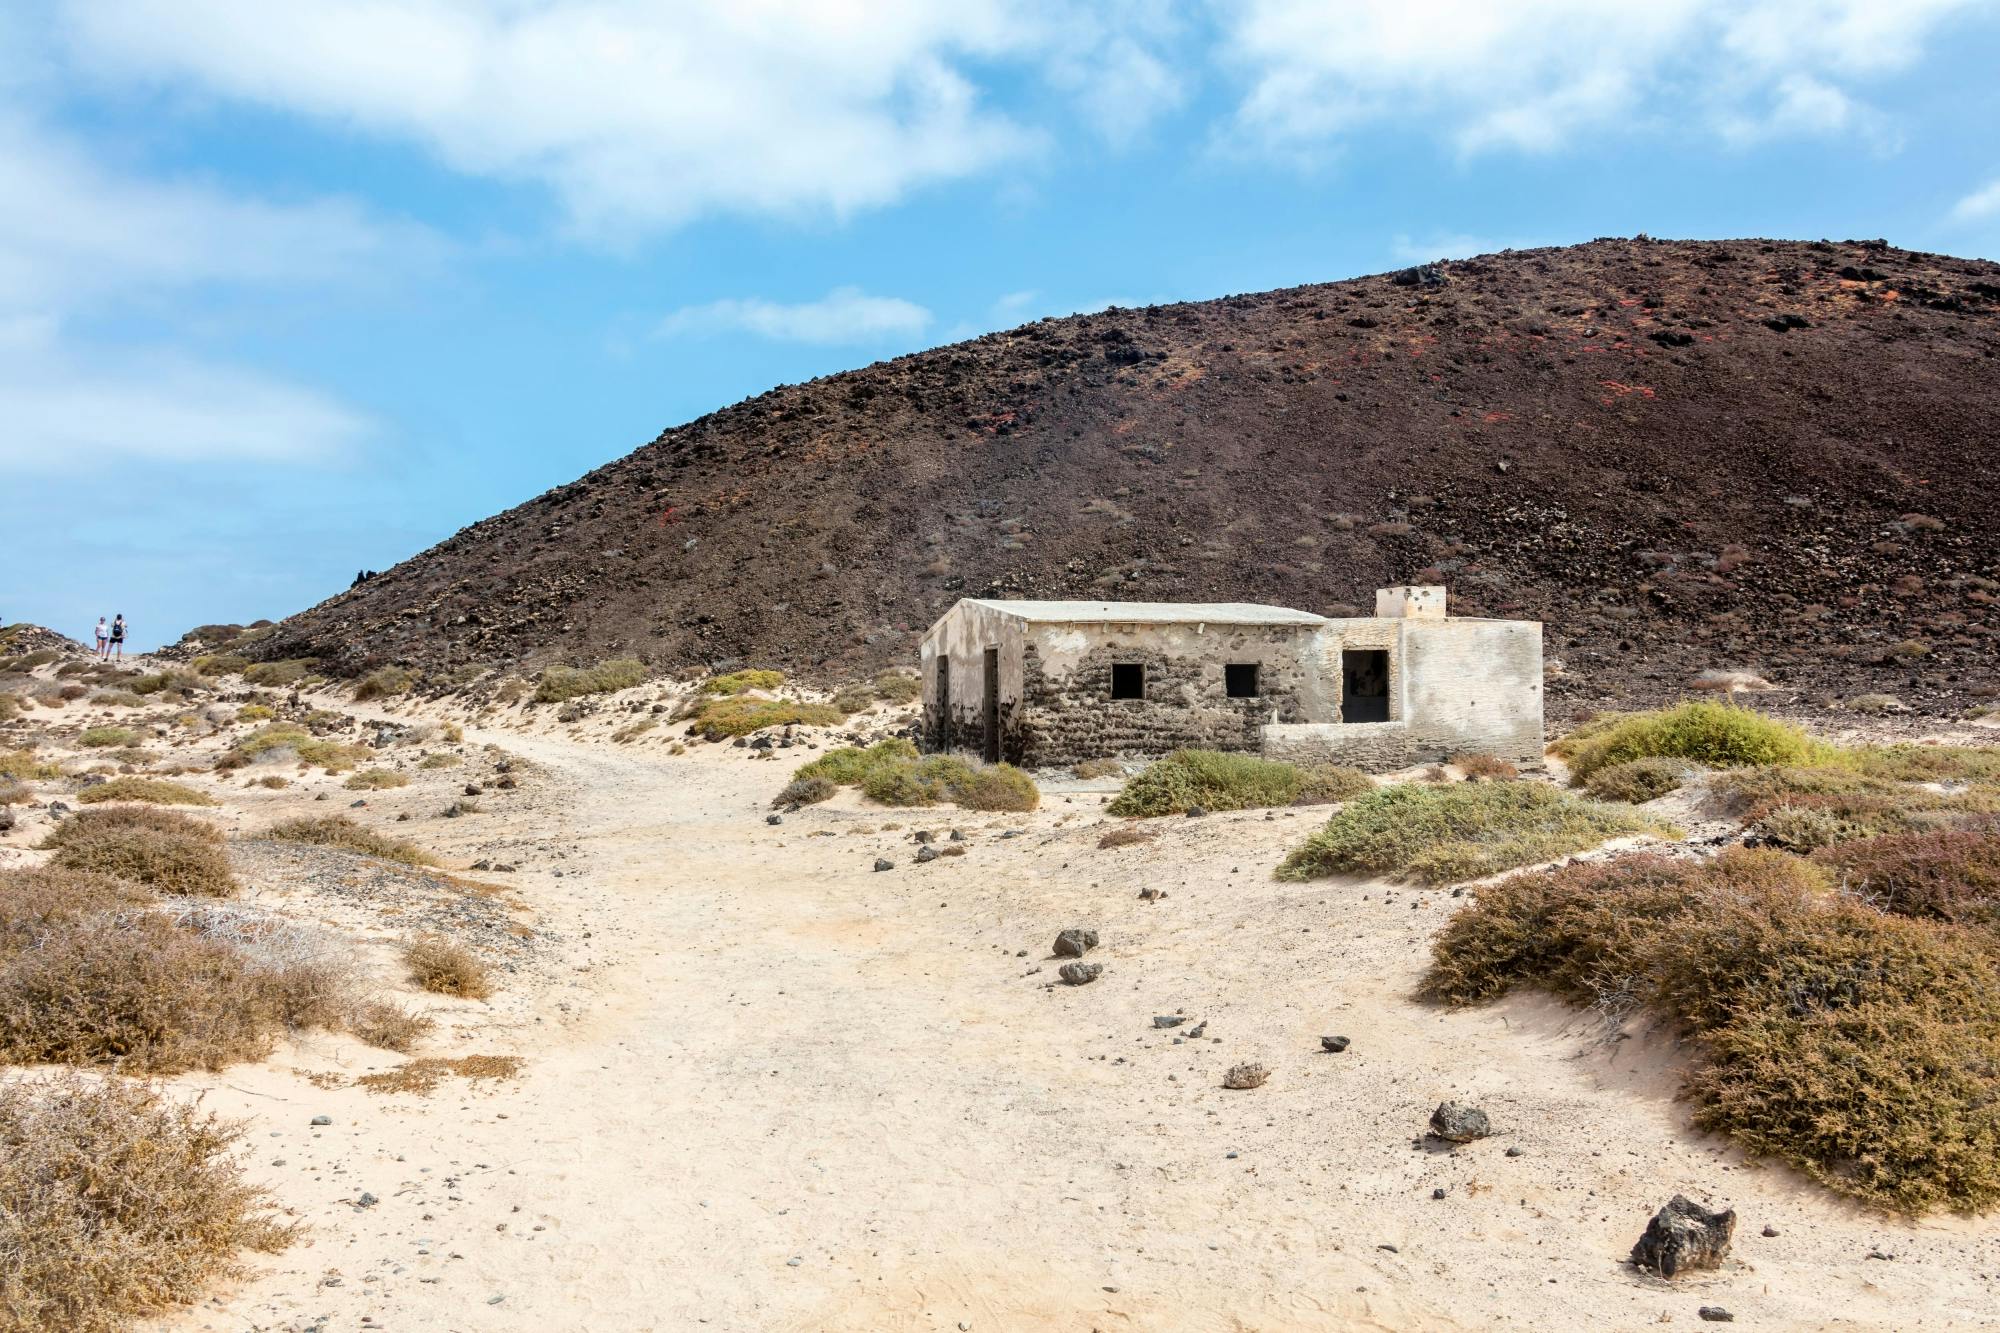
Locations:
(153, 791)
(1330, 784)
(740, 715)
(341, 832)
(559, 683)
(996, 787)
(738, 682)
(220, 664)
(1859, 1046)
(24, 767)
(1211, 779)
(1091, 769)
(891, 773)
(289, 671)
(441, 759)
(375, 779)
(898, 687)
(854, 699)
(1637, 781)
(254, 713)
(1443, 834)
(805, 791)
(899, 786)
(1925, 763)
(333, 756)
(384, 683)
(117, 699)
(167, 682)
(117, 1202)
(848, 766)
(99, 737)
(1717, 734)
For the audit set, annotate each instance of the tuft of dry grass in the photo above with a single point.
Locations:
(1126, 835)
(440, 760)
(290, 671)
(279, 737)
(446, 967)
(117, 1202)
(422, 1077)
(560, 683)
(375, 779)
(727, 716)
(1099, 768)
(386, 683)
(1637, 781)
(738, 682)
(1219, 780)
(152, 791)
(1481, 767)
(342, 832)
(1858, 1045)
(22, 766)
(390, 1026)
(805, 791)
(98, 738)
(897, 687)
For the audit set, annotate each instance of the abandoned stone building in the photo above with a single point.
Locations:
(1046, 684)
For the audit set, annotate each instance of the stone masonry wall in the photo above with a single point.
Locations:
(1067, 713)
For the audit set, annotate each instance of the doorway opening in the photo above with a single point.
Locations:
(944, 702)
(1364, 685)
(991, 709)
(1128, 680)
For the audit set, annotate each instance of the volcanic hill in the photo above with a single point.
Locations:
(1678, 454)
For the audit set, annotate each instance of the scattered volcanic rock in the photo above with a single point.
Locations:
(1080, 974)
(1684, 1235)
(1074, 942)
(1243, 1077)
(1455, 1122)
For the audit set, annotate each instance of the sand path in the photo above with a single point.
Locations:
(773, 1089)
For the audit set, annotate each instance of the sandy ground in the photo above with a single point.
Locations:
(765, 1087)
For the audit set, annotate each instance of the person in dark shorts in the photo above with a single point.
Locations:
(118, 636)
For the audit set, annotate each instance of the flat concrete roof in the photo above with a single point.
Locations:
(1153, 613)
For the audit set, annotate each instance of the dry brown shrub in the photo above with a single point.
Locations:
(1126, 835)
(390, 1026)
(167, 852)
(423, 1076)
(116, 1202)
(446, 967)
(152, 791)
(1484, 767)
(1099, 768)
(342, 832)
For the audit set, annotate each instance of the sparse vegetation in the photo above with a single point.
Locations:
(333, 756)
(116, 1202)
(441, 759)
(1717, 734)
(341, 832)
(898, 687)
(117, 699)
(1126, 835)
(1638, 780)
(805, 791)
(849, 766)
(739, 682)
(170, 681)
(220, 664)
(97, 738)
(254, 713)
(375, 779)
(1459, 831)
(1091, 769)
(560, 683)
(22, 766)
(385, 683)
(1216, 780)
(1860, 1046)
(447, 968)
(390, 1026)
(153, 791)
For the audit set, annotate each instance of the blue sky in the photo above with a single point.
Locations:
(290, 290)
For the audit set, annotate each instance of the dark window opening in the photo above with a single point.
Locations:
(1128, 680)
(1240, 680)
(1364, 685)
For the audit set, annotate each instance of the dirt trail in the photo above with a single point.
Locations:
(777, 1090)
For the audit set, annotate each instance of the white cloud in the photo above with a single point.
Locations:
(1444, 245)
(67, 411)
(844, 315)
(1979, 206)
(1536, 75)
(636, 114)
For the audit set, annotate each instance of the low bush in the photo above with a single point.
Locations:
(1091, 769)
(168, 853)
(170, 681)
(153, 791)
(805, 791)
(97, 738)
(10, 706)
(1925, 763)
(385, 683)
(23, 766)
(117, 699)
(117, 1202)
(1126, 835)
(1215, 780)
(1860, 1046)
(739, 682)
(220, 664)
(559, 683)
(375, 779)
(898, 687)
(1482, 767)
(1458, 831)
(254, 713)
(341, 832)
(741, 715)
(447, 968)
(1806, 808)
(439, 760)
(1637, 781)
(289, 671)
(1948, 875)
(390, 1026)
(333, 756)
(854, 699)
(890, 772)
(1717, 734)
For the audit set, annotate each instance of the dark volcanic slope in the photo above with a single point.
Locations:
(1677, 454)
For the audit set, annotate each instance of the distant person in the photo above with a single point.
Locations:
(118, 636)
(103, 638)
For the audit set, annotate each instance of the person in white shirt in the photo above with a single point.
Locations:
(103, 638)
